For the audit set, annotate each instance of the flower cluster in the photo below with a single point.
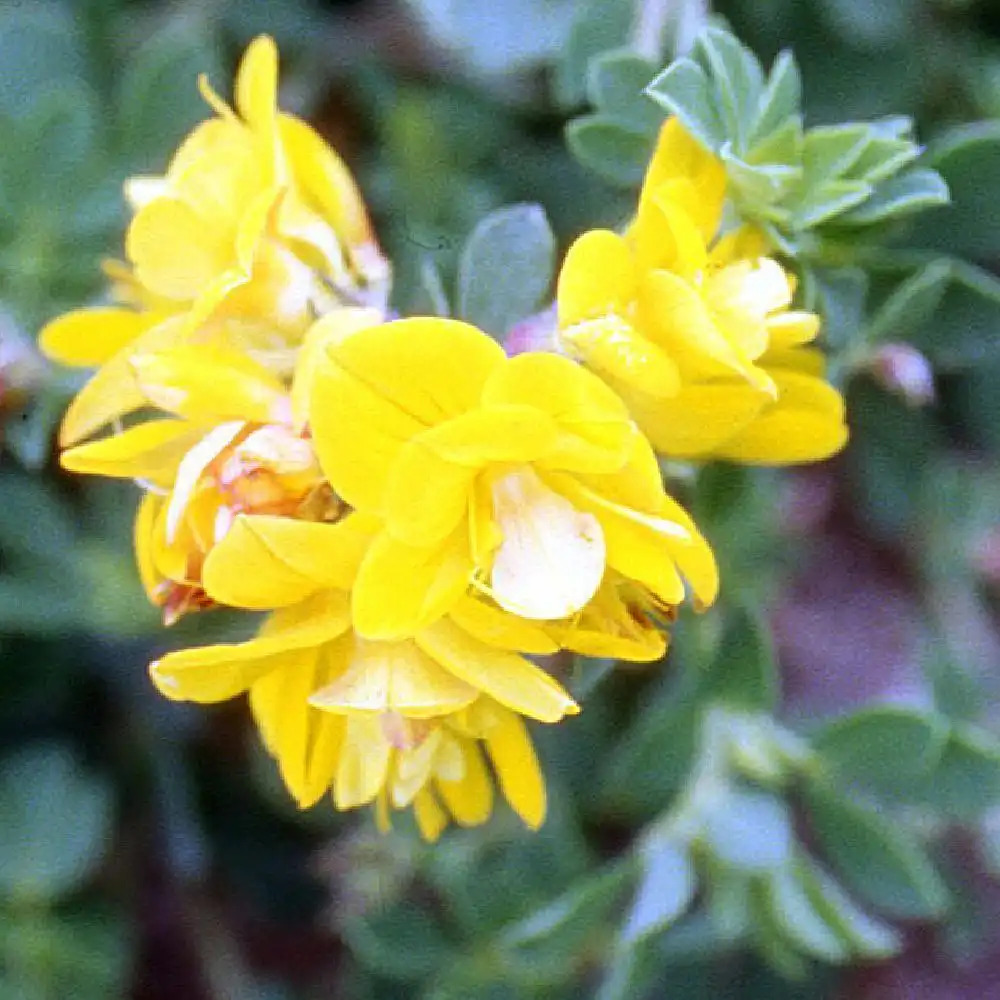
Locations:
(422, 516)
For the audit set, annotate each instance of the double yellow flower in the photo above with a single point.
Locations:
(418, 512)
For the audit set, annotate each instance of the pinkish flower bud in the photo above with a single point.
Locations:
(903, 370)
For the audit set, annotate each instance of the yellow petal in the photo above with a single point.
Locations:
(791, 328)
(429, 368)
(393, 677)
(89, 337)
(364, 762)
(145, 525)
(428, 489)
(510, 679)
(431, 818)
(192, 467)
(358, 435)
(330, 328)
(470, 799)
(700, 418)
(678, 319)
(678, 155)
(597, 278)
(552, 556)
(806, 424)
(304, 742)
(401, 589)
(257, 83)
(269, 562)
(594, 420)
(324, 181)
(518, 772)
(501, 629)
(113, 391)
(612, 347)
(174, 252)
(150, 451)
(216, 673)
(212, 383)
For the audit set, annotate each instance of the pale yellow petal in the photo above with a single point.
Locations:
(151, 451)
(551, 557)
(501, 629)
(364, 762)
(393, 677)
(212, 383)
(510, 679)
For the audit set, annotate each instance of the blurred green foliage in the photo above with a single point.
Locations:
(810, 784)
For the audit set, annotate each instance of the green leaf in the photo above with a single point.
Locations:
(666, 889)
(744, 671)
(792, 912)
(966, 157)
(505, 268)
(550, 937)
(903, 194)
(781, 99)
(828, 200)
(616, 84)
(738, 79)
(748, 830)
(884, 750)
(828, 151)
(598, 26)
(911, 303)
(877, 858)
(868, 937)
(683, 89)
(404, 943)
(882, 158)
(966, 781)
(54, 823)
(617, 154)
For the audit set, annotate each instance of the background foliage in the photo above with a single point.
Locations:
(804, 802)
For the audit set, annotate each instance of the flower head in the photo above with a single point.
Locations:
(235, 443)
(391, 723)
(693, 327)
(256, 228)
(521, 478)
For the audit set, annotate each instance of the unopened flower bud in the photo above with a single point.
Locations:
(903, 370)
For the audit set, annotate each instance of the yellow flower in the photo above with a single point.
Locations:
(256, 226)
(522, 478)
(236, 443)
(392, 723)
(694, 329)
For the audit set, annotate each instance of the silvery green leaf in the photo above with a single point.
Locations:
(831, 199)
(616, 84)
(505, 268)
(781, 99)
(617, 154)
(738, 80)
(903, 194)
(666, 888)
(683, 89)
